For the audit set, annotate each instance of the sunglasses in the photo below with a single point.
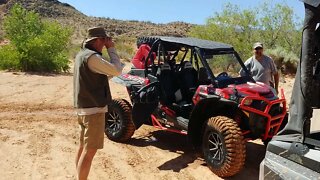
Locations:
(258, 48)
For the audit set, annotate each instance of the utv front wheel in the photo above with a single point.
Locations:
(223, 146)
(119, 126)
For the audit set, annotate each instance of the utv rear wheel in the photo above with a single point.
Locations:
(119, 126)
(223, 146)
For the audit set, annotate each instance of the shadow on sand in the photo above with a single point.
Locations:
(179, 144)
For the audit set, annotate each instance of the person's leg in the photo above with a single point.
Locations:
(81, 138)
(93, 138)
(85, 162)
(78, 155)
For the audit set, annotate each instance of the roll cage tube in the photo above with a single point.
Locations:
(161, 47)
(206, 65)
(158, 46)
(243, 66)
(154, 45)
(184, 55)
(175, 55)
(194, 54)
(201, 54)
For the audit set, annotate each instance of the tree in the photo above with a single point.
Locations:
(278, 28)
(272, 25)
(36, 45)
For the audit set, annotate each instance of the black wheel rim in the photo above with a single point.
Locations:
(113, 122)
(215, 148)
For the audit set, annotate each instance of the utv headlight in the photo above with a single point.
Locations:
(247, 102)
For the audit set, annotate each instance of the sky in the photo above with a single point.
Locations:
(164, 11)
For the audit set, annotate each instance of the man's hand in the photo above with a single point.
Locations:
(109, 43)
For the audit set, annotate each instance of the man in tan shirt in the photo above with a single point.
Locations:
(92, 94)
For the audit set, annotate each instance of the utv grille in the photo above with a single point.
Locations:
(262, 111)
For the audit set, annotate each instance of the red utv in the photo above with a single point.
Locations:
(184, 88)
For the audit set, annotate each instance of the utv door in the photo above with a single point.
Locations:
(145, 100)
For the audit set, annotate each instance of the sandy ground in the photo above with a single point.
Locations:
(38, 138)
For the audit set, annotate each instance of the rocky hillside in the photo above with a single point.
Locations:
(47, 8)
(69, 16)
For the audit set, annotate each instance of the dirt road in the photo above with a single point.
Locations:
(38, 139)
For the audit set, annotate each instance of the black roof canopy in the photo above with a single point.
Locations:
(208, 46)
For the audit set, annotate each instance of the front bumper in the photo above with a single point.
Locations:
(273, 122)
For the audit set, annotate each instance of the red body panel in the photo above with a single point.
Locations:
(250, 91)
(138, 79)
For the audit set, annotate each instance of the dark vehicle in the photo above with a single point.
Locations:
(295, 152)
(183, 88)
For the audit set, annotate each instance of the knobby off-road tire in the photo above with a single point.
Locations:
(119, 126)
(223, 146)
(146, 40)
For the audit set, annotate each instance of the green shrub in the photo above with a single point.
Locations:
(286, 61)
(224, 63)
(125, 47)
(1, 35)
(73, 50)
(40, 46)
(269, 23)
(9, 57)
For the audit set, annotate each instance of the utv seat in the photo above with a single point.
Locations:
(168, 84)
(188, 80)
(170, 94)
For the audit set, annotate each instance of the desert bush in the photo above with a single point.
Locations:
(125, 47)
(38, 45)
(73, 50)
(285, 60)
(1, 35)
(9, 57)
(224, 63)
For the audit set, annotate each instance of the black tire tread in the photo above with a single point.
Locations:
(235, 145)
(146, 40)
(129, 128)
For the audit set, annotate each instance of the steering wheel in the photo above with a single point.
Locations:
(223, 74)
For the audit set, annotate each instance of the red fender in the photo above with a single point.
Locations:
(139, 59)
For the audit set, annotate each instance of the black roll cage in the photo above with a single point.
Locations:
(196, 52)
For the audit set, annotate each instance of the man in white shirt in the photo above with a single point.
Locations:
(262, 67)
(92, 94)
